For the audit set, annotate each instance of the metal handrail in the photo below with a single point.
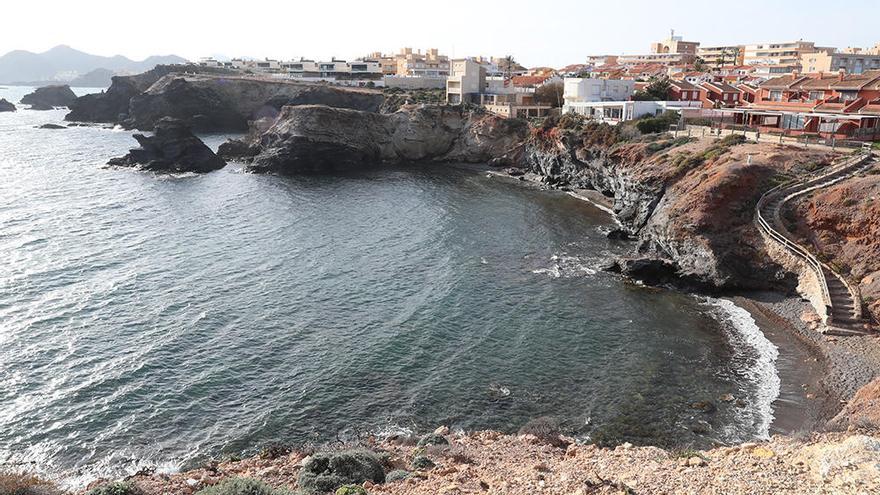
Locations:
(796, 189)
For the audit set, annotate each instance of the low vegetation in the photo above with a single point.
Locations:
(242, 486)
(115, 488)
(25, 484)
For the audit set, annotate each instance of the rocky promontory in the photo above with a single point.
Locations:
(318, 138)
(209, 99)
(171, 148)
(49, 97)
(6, 106)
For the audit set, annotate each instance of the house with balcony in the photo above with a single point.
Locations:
(719, 94)
(837, 106)
(469, 83)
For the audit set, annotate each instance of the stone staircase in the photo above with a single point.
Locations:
(843, 304)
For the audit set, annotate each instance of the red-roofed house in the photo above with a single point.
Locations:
(719, 94)
(828, 105)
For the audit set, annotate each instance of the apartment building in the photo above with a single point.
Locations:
(721, 56)
(469, 82)
(671, 51)
(853, 61)
(784, 53)
(412, 63)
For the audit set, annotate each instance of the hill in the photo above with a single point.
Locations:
(64, 64)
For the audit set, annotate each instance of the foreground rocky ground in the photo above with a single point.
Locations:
(491, 463)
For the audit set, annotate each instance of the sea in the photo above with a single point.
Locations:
(151, 320)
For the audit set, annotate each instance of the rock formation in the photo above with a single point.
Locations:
(171, 148)
(690, 205)
(842, 224)
(48, 97)
(51, 126)
(6, 106)
(317, 138)
(208, 99)
(111, 106)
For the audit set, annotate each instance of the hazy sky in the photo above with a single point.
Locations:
(537, 32)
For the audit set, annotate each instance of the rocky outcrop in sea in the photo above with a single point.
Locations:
(318, 138)
(171, 148)
(49, 97)
(6, 106)
(209, 100)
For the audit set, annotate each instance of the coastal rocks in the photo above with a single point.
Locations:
(51, 126)
(317, 138)
(112, 106)
(652, 271)
(6, 106)
(862, 412)
(690, 207)
(49, 97)
(224, 103)
(848, 466)
(327, 471)
(171, 148)
(432, 439)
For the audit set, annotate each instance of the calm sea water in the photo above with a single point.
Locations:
(157, 320)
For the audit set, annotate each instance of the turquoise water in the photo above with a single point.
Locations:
(157, 320)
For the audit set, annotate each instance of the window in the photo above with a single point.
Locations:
(817, 95)
(775, 95)
(849, 95)
(793, 121)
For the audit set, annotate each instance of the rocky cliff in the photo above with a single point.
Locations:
(209, 100)
(689, 203)
(111, 106)
(317, 138)
(842, 224)
(6, 106)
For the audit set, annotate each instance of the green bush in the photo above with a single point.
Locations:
(242, 486)
(397, 475)
(351, 490)
(661, 123)
(327, 471)
(115, 488)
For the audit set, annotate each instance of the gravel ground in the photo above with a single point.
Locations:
(488, 462)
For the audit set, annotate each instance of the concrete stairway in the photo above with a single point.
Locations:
(842, 300)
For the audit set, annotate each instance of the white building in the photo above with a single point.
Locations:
(580, 90)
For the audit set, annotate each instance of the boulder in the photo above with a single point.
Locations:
(6, 106)
(171, 148)
(652, 271)
(327, 471)
(48, 97)
(433, 439)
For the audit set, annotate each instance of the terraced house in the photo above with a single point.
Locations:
(828, 105)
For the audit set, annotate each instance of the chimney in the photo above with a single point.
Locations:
(795, 74)
(841, 74)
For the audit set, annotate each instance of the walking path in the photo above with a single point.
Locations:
(842, 300)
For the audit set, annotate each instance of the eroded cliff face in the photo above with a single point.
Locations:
(208, 99)
(690, 204)
(842, 223)
(210, 102)
(318, 138)
(111, 106)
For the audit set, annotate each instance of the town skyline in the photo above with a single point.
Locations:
(555, 36)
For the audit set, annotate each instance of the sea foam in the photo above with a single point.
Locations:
(747, 338)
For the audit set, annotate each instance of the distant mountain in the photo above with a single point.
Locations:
(64, 64)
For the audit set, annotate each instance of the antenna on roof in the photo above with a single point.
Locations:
(671, 33)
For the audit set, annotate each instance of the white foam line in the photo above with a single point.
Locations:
(746, 333)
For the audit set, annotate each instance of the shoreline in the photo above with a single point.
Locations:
(839, 366)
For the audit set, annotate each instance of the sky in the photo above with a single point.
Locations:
(537, 32)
